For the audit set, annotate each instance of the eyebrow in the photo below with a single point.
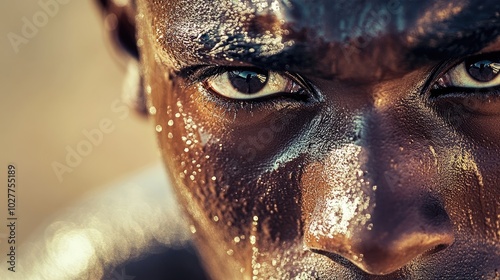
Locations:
(456, 31)
(427, 39)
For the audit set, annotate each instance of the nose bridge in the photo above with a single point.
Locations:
(370, 211)
(337, 197)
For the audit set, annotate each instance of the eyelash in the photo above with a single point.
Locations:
(197, 74)
(464, 92)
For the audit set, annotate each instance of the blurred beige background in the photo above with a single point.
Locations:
(62, 81)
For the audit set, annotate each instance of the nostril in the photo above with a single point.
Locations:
(339, 259)
(402, 233)
(440, 247)
(436, 249)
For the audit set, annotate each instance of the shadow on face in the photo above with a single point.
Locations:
(329, 140)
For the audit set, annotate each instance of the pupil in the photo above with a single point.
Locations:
(248, 81)
(483, 70)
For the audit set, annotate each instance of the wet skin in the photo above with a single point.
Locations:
(374, 163)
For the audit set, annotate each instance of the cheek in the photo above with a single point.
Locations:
(485, 127)
(195, 157)
(242, 203)
(236, 175)
(190, 147)
(472, 192)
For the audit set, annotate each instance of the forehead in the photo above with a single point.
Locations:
(302, 33)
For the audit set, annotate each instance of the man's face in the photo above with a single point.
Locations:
(331, 139)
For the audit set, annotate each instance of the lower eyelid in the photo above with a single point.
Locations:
(451, 92)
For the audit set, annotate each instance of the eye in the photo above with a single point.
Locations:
(251, 84)
(475, 72)
(471, 88)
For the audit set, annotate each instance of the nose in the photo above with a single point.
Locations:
(375, 201)
(398, 232)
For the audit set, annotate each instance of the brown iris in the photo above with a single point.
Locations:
(484, 70)
(248, 81)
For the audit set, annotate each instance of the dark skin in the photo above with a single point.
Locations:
(328, 140)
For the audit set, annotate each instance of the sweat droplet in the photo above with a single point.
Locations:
(152, 110)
